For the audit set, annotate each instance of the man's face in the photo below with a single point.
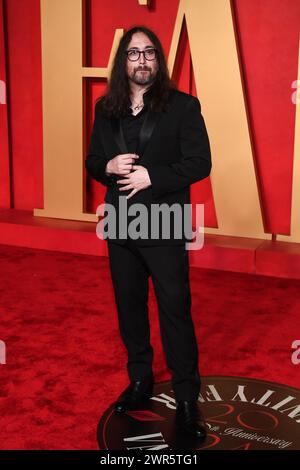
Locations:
(141, 71)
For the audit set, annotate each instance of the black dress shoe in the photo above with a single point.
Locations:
(137, 393)
(190, 419)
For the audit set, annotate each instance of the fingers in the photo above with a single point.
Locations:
(132, 193)
(128, 157)
(126, 188)
(127, 161)
(130, 167)
(129, 186)
(122, 181)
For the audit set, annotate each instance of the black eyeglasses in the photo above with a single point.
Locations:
(134, 54)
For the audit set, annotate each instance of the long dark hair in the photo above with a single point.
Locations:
(117, 99)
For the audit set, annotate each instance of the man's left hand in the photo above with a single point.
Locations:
(136, 180)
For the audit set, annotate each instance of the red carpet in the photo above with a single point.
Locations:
(65, 358)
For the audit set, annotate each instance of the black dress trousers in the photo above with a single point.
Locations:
(168, 267)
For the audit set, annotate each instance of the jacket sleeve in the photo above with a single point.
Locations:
(95, 162)
(195, 163)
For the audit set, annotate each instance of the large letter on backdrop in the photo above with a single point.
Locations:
(61, 26)
(63, 73)
(295, 216)
(214, 50)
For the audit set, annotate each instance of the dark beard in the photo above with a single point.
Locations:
(142, 78)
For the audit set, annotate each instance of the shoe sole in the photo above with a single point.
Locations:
(184, 430)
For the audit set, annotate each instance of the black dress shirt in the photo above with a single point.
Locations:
(131, 124)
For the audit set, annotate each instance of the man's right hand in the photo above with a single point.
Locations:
(121, 164)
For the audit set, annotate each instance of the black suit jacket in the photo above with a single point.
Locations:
(173, 146)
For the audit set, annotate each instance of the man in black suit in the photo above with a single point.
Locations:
(149, 143)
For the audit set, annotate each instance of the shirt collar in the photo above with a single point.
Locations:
(147, 96)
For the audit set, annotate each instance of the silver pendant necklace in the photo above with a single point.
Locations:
(138, 106)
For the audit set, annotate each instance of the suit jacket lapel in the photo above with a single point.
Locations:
(150, 121)
(145, 134)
